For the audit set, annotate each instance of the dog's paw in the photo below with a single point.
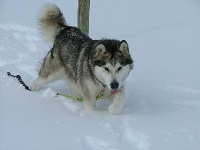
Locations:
(88, 105)
(35, 87)
(113, 109)
(37, 84)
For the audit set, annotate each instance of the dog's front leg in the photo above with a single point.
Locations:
(89, 95)
(89, 103)
(117, 102)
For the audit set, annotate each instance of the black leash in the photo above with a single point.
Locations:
(65, 95)
(20, 80)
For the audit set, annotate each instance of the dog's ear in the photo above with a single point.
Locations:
(124, 47)
(100, 48)
(99, 51)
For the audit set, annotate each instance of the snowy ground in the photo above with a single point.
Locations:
(163, 91)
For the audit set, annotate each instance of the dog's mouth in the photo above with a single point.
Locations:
(112, 92)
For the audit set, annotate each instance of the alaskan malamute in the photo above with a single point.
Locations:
(90, 66)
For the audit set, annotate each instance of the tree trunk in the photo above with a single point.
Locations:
(83, 15)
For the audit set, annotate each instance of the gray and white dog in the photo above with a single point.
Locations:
(90, 66)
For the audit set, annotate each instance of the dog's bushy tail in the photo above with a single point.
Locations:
(51, 21)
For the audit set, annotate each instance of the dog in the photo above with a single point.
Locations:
(90, 66)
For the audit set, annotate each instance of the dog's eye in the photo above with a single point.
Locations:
(119, 68)
(106, 69)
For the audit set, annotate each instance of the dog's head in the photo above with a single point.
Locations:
(112, 63)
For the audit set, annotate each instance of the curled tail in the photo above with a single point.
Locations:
(51, 21)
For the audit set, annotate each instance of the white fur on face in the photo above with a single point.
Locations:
(108, 73)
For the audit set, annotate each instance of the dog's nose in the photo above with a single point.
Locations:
(114, 85)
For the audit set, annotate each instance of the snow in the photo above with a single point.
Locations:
(162, 92)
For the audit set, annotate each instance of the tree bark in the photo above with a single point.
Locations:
(83, 15)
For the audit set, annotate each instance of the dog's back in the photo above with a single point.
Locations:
(71, 45)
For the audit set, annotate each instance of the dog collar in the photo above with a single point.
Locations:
(104, 85)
